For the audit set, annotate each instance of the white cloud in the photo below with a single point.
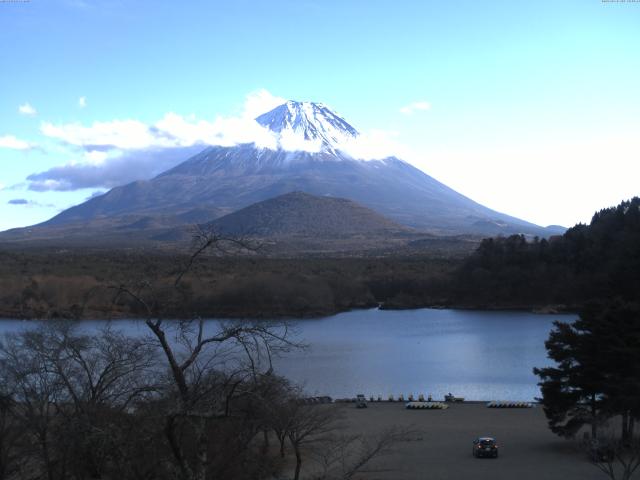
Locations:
(172, 130)
(2, 186)
(291, 142)
(9, 141)
(82, 102)
(27, 109)
(124, 134)
(376, 145)
(117, 168)
(96, 157)
(421, 106)
(49, 184)
(95, 194)
(259, 102)
(119, 151)
(223, 131)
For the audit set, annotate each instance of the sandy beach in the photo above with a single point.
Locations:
(442, 449)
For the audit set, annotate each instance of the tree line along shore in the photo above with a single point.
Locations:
(600, 260)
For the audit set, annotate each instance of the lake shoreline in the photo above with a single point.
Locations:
(306, 315)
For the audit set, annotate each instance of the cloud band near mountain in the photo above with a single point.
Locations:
(128, 167)
(117, 152)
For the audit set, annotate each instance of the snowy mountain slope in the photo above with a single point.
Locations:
(307, 124)
(309, 159)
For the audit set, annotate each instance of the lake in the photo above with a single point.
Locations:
(478, 355)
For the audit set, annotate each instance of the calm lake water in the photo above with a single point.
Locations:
(473, 354)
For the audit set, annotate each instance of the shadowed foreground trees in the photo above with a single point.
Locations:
(572, 391)
(189, 400)
(104, 407)
(68, 394)
(617, 459)
(596, 382)
(597, 375)
(108, 406)
(215, 378)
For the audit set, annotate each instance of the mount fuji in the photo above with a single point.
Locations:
(311, 153)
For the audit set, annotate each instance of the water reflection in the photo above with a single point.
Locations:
(478, 355)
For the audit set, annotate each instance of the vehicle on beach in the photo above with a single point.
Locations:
(452, 398)
(485, 447)
(361, 402)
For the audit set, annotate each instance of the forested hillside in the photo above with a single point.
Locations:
(596, 261)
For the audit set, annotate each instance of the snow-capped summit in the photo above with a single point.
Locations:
(308, 126)
(315, 152)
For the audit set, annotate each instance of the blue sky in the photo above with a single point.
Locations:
(531, 108)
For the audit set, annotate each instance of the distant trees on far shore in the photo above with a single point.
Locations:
(596, 261)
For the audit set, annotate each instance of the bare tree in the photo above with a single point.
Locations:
(238, 349)
(187, 400)
(280, 411)
(206, 239)
(204, 362)
(317, 430)
(10, 435)
(310, 424)
(71, 391)
(344, 457)
(106, 369)
(36, 393)
(617, 459)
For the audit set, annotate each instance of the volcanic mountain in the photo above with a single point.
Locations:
(310, 153)
(301, 214)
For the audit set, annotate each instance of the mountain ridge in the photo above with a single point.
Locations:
(220, 180)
